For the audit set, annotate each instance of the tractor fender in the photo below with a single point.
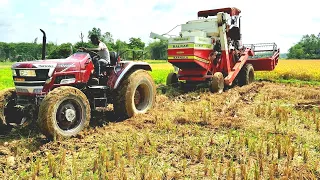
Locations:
(125, 68)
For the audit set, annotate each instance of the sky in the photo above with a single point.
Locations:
(279, 21)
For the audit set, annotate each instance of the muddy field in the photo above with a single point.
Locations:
(260, 131)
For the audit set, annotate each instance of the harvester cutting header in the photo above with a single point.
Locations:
(210, 50)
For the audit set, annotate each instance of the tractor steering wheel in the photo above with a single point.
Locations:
(93, 54)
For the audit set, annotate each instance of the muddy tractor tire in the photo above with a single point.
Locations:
(217, 83)
(172, 79)
(135, 95)
(63, 113)
(246, 75)
(8, 112)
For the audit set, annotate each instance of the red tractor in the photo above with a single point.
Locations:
(209, 50)
(61, 93)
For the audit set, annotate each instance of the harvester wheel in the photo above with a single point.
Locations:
(246, 75)
(64, 112)
(136, 94)
(172, 79)
(217, 83)
(8, 112)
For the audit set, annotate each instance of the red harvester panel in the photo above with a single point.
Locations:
(189, 58)
(265, 57)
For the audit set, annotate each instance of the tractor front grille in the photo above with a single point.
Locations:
(30, 84)
(38, 80)
(25, 100)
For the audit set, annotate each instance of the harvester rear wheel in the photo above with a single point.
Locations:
(246, 75)
(172, 79)
(64, 112)
(136, 95)
(217, 83)
(8, 112)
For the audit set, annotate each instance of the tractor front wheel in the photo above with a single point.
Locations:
(8, 112)
(136, 94)
(246, 75)
(64, 112)
(217, 83)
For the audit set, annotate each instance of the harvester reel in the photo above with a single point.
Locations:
(217, 83)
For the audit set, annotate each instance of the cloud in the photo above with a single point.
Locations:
(4, 25)
(102, 18)
(317, 20)
(19, 16)
(163, 7)
(5, 21)
(127, 18)
(59, 21)
(4, 2)
(44, 3)
(72, 8)
(265, 21)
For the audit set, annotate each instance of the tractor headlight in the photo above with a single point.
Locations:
(68, 81)
(48, 80)
(14, 73)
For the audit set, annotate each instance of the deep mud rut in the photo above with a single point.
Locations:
(181, 135)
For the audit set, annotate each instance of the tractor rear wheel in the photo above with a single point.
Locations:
(8, 112)
(246, 75)
(217, 83)
(172, 79)
(136, 94)
(64, 112)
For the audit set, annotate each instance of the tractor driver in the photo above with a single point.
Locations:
(103, 52)
(102, 48)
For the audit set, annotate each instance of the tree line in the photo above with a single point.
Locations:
(307, 48)
(135, 48)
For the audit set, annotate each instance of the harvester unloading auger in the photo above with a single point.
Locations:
(210, 50)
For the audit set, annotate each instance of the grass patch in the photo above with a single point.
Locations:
(287, 71)
(6, 78)
(160, 71)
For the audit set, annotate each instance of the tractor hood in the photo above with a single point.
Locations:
(70, 63)
(52, 63)
(38, 77)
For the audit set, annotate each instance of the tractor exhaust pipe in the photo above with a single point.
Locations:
(44, 39)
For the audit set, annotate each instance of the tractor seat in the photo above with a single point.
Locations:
(113, 58)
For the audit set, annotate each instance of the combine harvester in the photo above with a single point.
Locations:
(209, 50)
